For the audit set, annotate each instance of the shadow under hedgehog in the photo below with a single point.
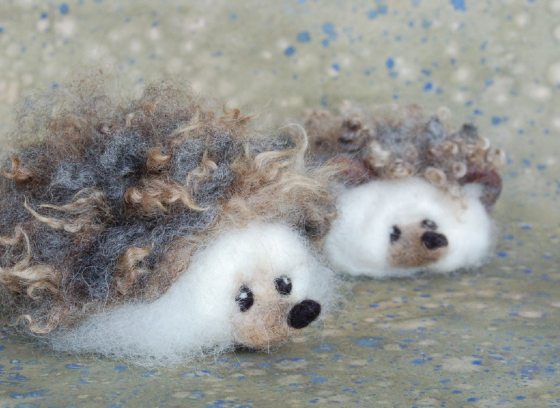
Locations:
(412, 195)
(157, 229)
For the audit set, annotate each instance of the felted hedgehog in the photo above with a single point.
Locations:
(158, 229)
(415, 196)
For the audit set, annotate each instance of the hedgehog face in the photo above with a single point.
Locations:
(416, 245)
(255, 287)
(278, 291)
(399, 227)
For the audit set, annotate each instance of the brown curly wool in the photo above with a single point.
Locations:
(403, 142)
(105, 202)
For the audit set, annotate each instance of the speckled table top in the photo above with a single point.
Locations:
(485, 338)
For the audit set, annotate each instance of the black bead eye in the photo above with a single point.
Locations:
(429, 224)
(283, 285)
(245, 298)
(395, 234)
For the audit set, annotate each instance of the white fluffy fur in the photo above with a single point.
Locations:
(195, 315)
(358, 242)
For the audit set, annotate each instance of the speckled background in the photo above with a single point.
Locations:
(485, 338)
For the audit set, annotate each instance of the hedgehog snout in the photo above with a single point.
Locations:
(434, 240)
(303, 313)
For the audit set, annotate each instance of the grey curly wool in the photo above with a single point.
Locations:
(101, 194)
(395, 142)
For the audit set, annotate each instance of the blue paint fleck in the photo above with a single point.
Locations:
(335, 67)
(372, 14)
(428, 86)
(304, 37)
(64, 9)
(119, 368)
(390, 63)
(418, 361)
(476, 362)
(370, 342)
(496, 120)
(289, 51)
(44, 15)
(73, 366)
(549, 370)
(319, 380)
(382, 9)
(30, 394)
(330, 30)
(2, 348)
(17, 377)
(502, 254)
(459, 5)
(520, 397)
(472, 399)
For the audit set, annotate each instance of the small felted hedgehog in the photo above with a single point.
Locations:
(414, 196)
(158, 229)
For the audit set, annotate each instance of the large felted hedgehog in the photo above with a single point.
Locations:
(158, 229)
(415, 196)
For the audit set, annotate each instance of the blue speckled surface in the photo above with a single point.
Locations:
(486, 338)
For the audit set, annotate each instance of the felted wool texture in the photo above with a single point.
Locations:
(359, 242)
(391, 142)
(410, 171)
(199, 314)
(104, 202)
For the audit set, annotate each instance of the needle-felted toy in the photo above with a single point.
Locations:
(158, 229)
(413, 195)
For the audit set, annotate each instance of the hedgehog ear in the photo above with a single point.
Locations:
(489, 186)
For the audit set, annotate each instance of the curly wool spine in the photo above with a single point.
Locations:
(154, 196)
(127, 270)
(45, 327)
(23, 277)
(18, 173)
(157, 160)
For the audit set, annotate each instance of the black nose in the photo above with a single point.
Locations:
(303, 313)
(434, 240)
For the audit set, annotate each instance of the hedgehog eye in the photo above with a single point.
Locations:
(395, 234)
(283, 285)
(245, 298)
(429, 224)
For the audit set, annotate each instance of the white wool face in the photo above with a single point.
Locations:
(197, 314)
(359, 242)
